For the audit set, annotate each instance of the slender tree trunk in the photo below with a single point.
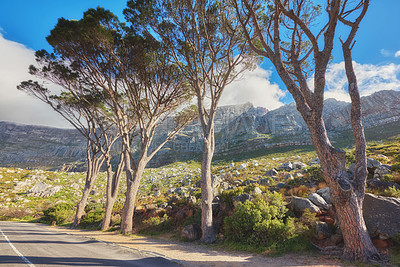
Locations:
(358, 244)
(113, 180)
(91, 174)
(133, 182)
(345, 195)
(208, 235)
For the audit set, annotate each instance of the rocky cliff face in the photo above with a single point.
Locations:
(238, 129)
(36, 146)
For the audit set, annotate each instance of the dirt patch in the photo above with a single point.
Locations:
(190, 254)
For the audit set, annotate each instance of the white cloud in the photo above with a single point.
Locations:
(254, 87)
(397, 54)
(386, 53)
(370, 78)
(16, 106)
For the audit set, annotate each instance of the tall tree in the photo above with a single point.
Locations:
(204, 42)
(283, 32)
(80, 107)
(141, 85)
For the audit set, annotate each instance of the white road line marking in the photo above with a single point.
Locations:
(16, 251)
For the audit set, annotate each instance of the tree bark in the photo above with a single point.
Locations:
(113, 180)
(133, 182)
(208, 235)
(91, 174)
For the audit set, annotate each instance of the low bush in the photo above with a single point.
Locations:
(263, 222)
(156, 224)
(391, 192)
(92, 219)
(60, 213)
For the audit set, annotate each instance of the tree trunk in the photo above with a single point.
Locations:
(91, 174)
(208, 235)
(133, 182)
(361, 247)
(112, 190)
(347, 199)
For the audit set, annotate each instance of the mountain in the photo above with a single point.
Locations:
(238, 129)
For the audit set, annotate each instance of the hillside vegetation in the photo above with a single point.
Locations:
(169, 197)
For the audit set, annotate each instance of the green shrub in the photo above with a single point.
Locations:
(396, 166)
(261, 222)
(195, 218)
(60, 213)
(315, 173)
(227, 195)
(155, 225)
(391, 192)
(92, 219)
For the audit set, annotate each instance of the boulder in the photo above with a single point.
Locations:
(191, 200)
(298, 165)
(241, 199)
(271, 173)
(380, 172)
(280, 185)
(318, 200)
(382, 215)
(352, 167)
(323, 230)
(51, 191)
(325, 194)
(38, 188)
(372, 165)
(314, 161)
(264, 181)
(288, 166)
(191, 232)
(257, 191)
(300, 204)
(289, 176)
(380, 184)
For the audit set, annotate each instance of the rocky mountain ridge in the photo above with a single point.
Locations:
(238, 128)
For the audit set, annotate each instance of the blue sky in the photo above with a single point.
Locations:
(24, 25)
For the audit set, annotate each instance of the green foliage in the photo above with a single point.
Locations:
(315, 173)
(60, 213)
(261, 222)
(227, 195)
(92, 219)
(155, 225)
(396, 166)
(391, 192)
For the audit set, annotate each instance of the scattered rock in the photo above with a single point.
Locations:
(300, 204)
(318, 200)
(264, 182)
(37, 188)
(241, 199)
(315, 161)
(271, 173)
(382, 215)
(280, 185)
(191, 200)
(325, 194)
(256, 191)
(372, 165)
(323, 230)
(298, 165)
(288, 166)
(289, 176)
(191, 232)
(375, 183)
(380, 172)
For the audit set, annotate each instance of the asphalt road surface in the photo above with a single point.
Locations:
(28, 244)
